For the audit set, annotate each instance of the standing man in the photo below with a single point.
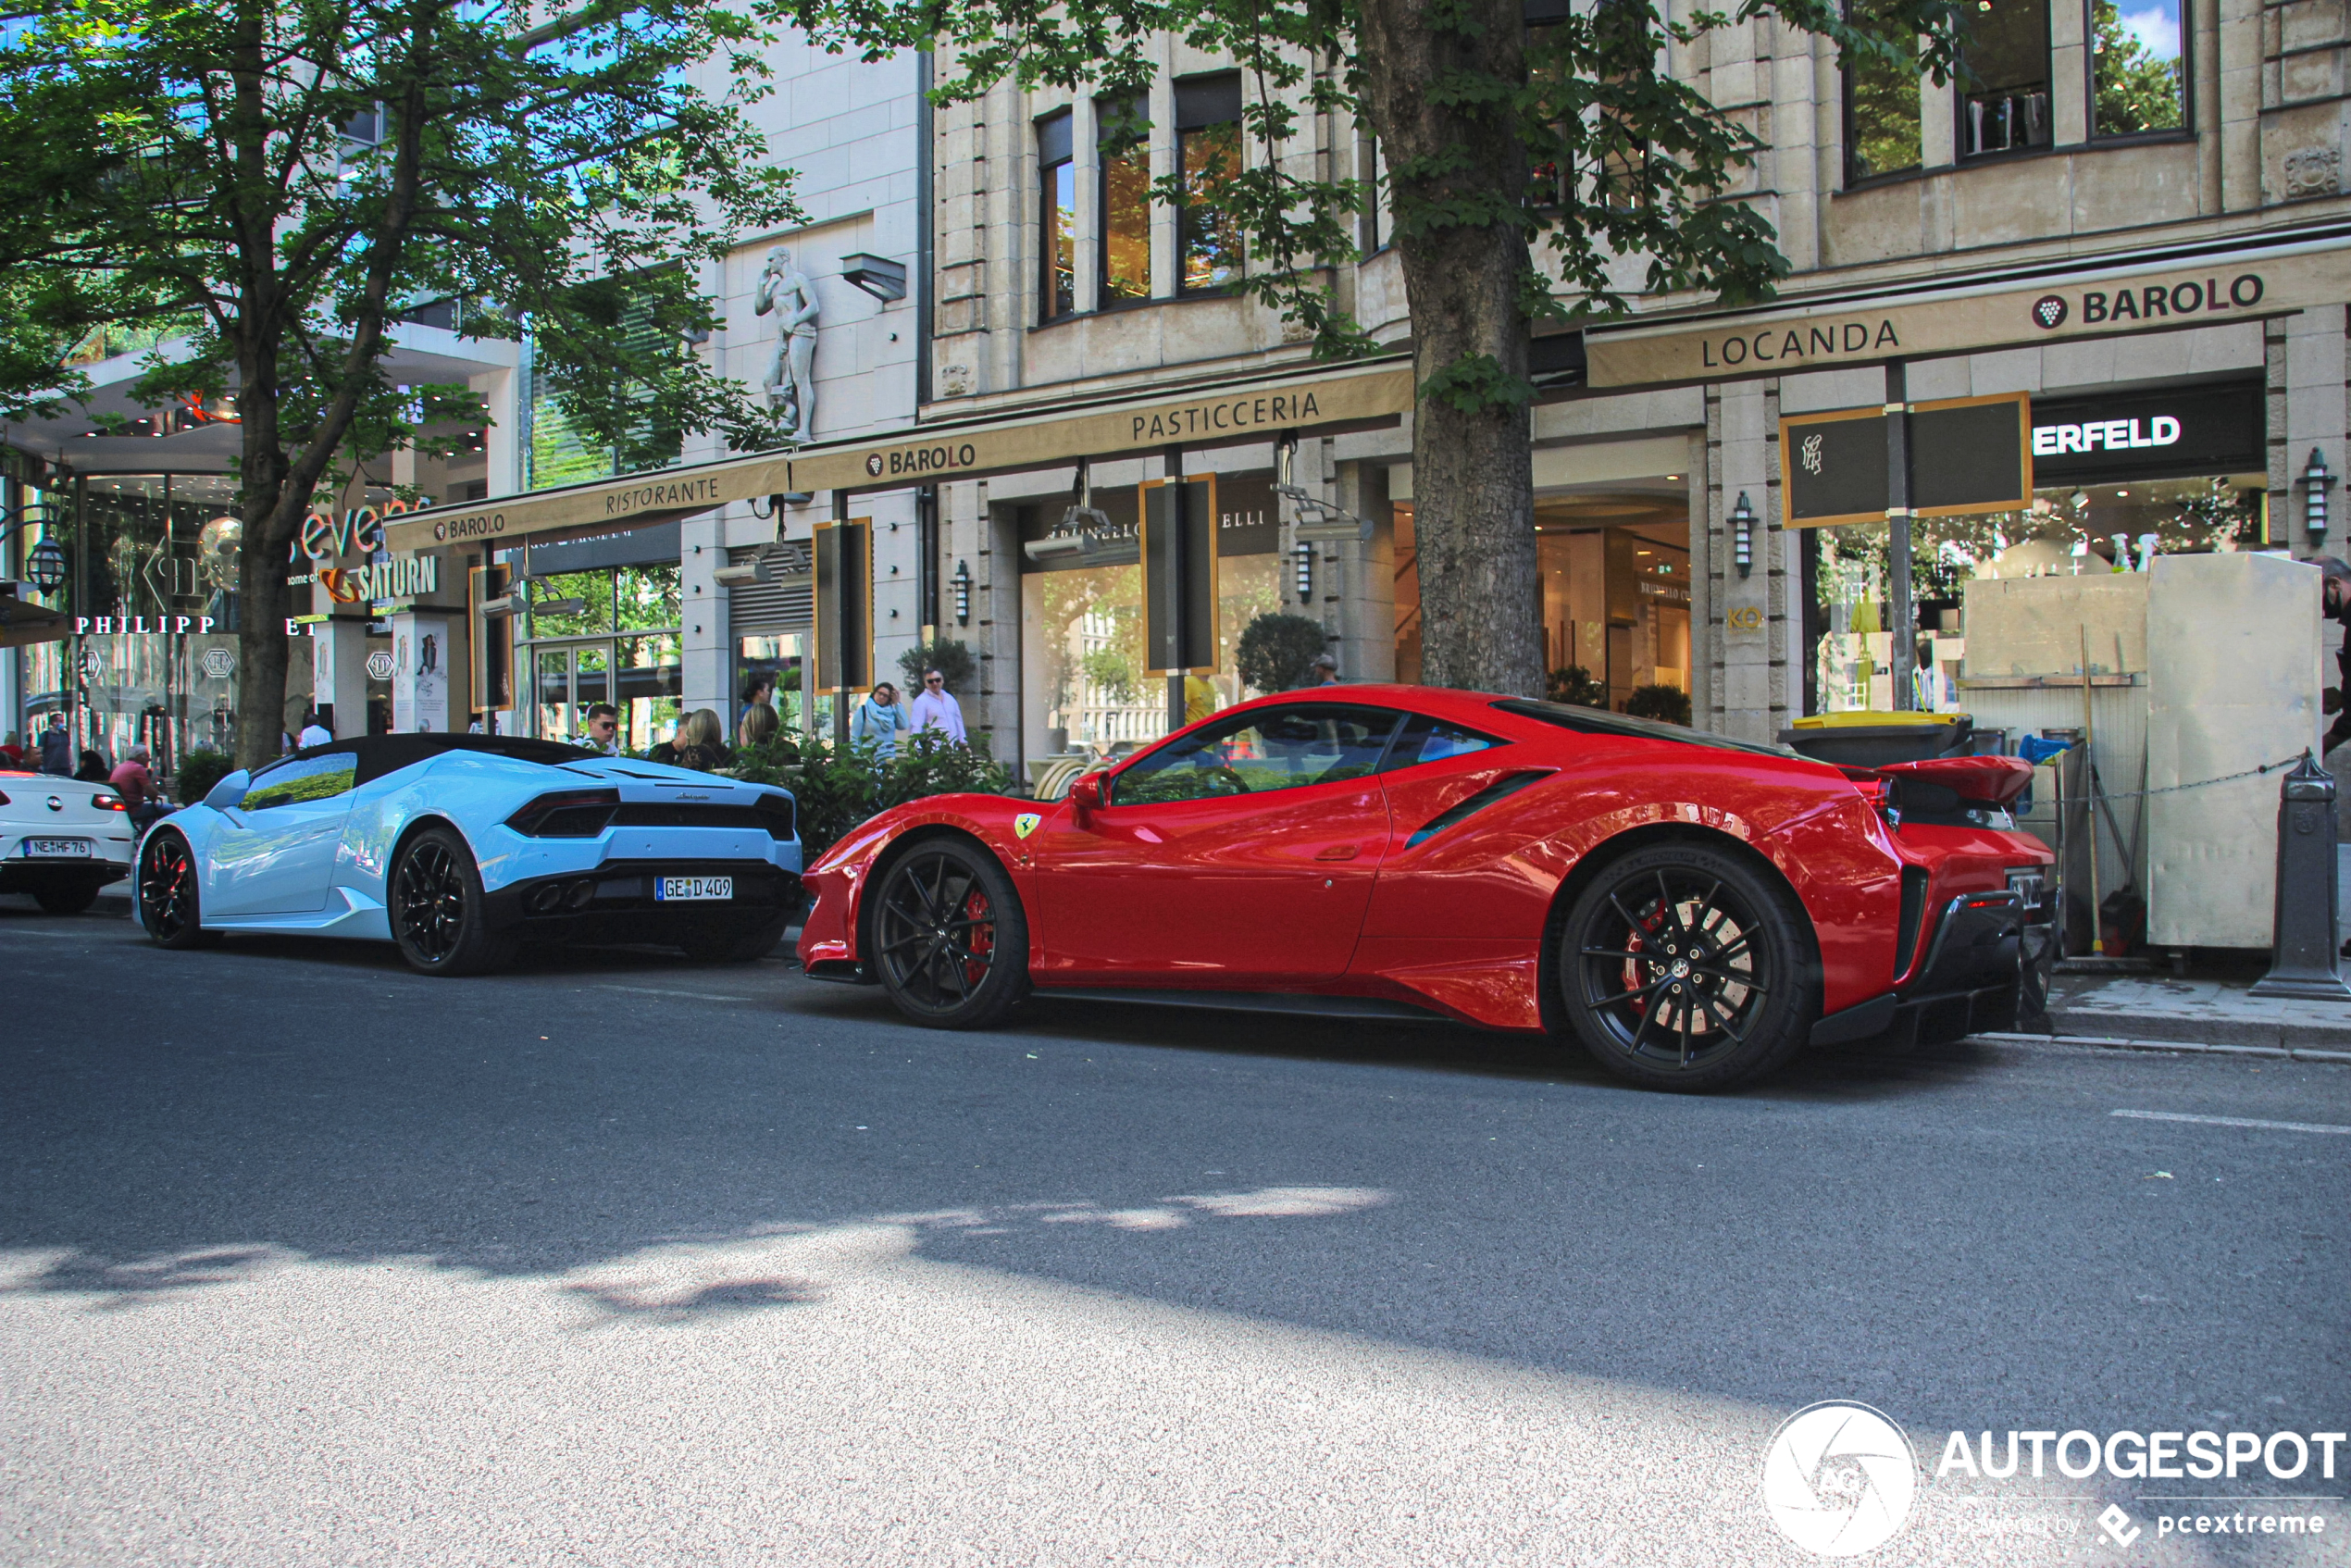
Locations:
(791, 375)
(57, 748)
(936, 708)
(1326, 669)
(603, 733)
(313, 732)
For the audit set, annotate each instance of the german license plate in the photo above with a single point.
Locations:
(688, 887)
(59, 848)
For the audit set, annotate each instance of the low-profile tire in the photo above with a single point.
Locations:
(165, 886)
(949, 940)
(1683, 967)
(440, 917)
(67, 900)
(735, 947)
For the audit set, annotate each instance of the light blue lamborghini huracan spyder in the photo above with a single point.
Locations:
(458, 848)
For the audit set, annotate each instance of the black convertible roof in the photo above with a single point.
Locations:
(379, 754)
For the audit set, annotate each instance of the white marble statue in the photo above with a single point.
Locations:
(791, 375)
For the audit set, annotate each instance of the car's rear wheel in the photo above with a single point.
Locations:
(440, 918)
(167, 890)
(950, 941)
(1681, 968)
(68, 900)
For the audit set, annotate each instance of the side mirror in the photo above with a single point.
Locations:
(1086, 793)
(230, 791)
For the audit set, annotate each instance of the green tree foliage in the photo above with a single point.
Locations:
(1278, 653)
(952, 659)
(261, 187)
(1660, 701)
(837, 788)
(1573, 683)
(1527, 167)
(199, 771)
(2137, 90)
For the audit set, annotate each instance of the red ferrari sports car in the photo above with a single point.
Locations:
(1695, 910)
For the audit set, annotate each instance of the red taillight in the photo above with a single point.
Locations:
(109, 803)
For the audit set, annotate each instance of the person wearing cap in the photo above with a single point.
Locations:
(1326, 669)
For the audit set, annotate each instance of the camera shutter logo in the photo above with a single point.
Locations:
(218, 661)
(2048, 312)
(1839, 1478)
(380, 667)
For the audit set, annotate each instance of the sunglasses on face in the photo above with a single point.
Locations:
(934, 680)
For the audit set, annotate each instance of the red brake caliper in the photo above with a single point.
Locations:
(982, 939)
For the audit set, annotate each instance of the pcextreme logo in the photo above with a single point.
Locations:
(1839, 1478)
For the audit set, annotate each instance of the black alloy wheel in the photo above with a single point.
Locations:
(167, 890)
(950, 941)
(440, 917)
(1684, 968)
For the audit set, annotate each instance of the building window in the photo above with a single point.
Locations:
(1208, 154)
(1121, 147)
(1882, 134)
(2139, 71)
(1057, 219)
(2004, 99)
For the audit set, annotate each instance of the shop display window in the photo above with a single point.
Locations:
(614, 637)
(1085, 687)
(2069, 529)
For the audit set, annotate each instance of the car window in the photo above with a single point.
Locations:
(1432, 739)
(1263, 749)
(303, 778)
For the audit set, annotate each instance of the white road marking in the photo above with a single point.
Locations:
(2230, 1122)
(698, 996)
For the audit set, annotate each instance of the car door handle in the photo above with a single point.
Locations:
(1337, 852)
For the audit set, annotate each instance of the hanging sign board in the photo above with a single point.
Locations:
(1967, 454)
(1179, 578)
(2170, 433)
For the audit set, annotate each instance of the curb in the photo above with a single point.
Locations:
(2192, 1048)
(2099, 1023)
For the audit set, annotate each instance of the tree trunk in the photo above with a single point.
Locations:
(263, 600)
(1472, 468)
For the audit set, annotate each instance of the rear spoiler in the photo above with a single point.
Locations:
(1992, 781)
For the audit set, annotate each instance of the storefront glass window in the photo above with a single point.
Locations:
(2141, 74)
(574, 661)
(778, 666)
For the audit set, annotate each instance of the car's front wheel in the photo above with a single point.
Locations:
(950, 939)
(167, 890)
(440, 917)
(1681, 968)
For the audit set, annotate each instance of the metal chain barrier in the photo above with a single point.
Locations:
(2266, 767)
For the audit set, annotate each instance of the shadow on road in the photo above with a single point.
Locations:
(172, 1123)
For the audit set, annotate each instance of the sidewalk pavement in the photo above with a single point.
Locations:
(2172, 1013)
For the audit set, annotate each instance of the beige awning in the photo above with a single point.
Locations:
(23, 624)
(1318, 403)
(2102, 302)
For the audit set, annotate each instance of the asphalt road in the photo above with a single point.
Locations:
(621, 1260)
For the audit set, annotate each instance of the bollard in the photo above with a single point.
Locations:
(2306, 955)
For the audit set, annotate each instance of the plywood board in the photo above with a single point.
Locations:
(2036, 626)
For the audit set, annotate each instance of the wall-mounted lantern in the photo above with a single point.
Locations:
(1743, 535)
(2316, 482)
(962, 581)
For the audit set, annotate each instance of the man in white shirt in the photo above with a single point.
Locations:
(313, 733)
(935, 708)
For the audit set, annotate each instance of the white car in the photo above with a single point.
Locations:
(61, 840)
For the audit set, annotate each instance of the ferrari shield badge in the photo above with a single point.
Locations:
(1025, 823)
